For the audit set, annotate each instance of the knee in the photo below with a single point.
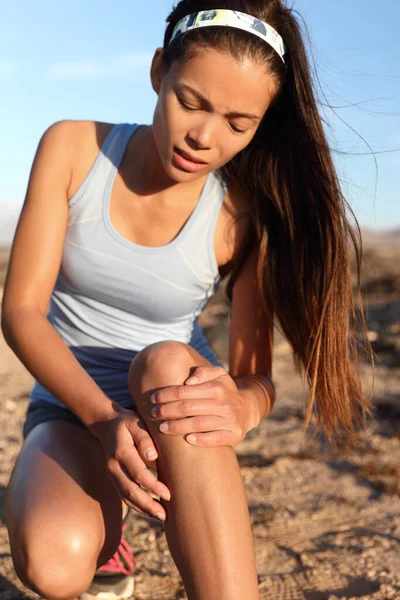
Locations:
(162, 357)
(158, 365)
(58, 571)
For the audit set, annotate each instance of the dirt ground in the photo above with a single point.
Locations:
(326, 521)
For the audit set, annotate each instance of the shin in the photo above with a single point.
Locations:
(208, 526)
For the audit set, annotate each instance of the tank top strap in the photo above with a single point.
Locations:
(197, 245)
(116, 142)
(88, 201)
(113, 150)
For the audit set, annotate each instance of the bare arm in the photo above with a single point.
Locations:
(33, 269)
(218, 408)
(250, 348)
(34, 265)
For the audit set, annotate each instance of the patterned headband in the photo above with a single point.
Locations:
(232, 18)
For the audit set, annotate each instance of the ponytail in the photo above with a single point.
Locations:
(299, 219)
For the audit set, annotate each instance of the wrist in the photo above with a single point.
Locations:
(254, 415)
(108, 412)
(258, 394)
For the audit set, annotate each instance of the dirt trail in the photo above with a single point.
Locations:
(326, 522)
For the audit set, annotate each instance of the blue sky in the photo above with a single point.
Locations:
(89, 59)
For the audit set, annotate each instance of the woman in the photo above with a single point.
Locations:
(127, 235)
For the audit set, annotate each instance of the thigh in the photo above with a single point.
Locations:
(59, 497)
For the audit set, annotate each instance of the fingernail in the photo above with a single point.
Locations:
(153, 399)
(154, 411)
(191, 380)
(160, 516)
(165, 496)
(150, 454)
(164, 427)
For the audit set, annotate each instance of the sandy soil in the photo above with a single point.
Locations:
(326, 521)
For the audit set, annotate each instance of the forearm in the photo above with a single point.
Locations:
(258, 393)
(46, 356)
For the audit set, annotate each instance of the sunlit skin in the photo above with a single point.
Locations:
(73, 483)
(210, 106)
(212, 128)
(215, 559)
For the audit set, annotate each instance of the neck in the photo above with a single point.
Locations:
(143, 170)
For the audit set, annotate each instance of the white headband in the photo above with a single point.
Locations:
(231, 18)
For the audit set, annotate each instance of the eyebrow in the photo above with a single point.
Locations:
(199, 96)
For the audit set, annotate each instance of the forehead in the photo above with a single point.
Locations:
(229, 85)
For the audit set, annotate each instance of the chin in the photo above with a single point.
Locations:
(182, 177)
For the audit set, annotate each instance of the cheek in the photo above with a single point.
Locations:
(167, 119)
(162, 126)
(174, 115)
(233, 145)
(244, 140)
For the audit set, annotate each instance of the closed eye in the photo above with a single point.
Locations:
(191, 109)
(238, 130)
(185, 106)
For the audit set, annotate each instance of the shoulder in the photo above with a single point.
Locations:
(70, 135)
(233, 228)
(74, 131)
(76, 143)
(237, 205)
(86, 138)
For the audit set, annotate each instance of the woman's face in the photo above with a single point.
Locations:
(210, 107)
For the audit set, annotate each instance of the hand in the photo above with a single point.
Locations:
(208, 402)
(126, 441)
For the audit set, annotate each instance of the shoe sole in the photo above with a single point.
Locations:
(124, 593)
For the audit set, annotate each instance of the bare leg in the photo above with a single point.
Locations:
(62, 511)
(208, 526)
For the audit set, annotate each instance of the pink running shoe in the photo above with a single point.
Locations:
(114, 580)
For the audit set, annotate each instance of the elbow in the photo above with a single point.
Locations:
(6, 328)
(12, 319)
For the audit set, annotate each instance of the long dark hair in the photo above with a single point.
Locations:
(298, 214)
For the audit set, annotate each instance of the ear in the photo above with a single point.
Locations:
(156, 74)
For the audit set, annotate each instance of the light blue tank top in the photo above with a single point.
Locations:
(113, 297)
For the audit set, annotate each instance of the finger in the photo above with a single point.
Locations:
(201, 374)
(158, 513)
(136, 470)
(133, 495)
(209, 439)
(130, 505)
(143, 440)
(207, 389)
(128, 497)
(187, 408)
(192, 425)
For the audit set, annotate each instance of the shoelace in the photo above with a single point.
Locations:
(115, 563)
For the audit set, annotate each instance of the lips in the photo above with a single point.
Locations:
(189, 156)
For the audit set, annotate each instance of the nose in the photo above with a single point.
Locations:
(202, 135)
